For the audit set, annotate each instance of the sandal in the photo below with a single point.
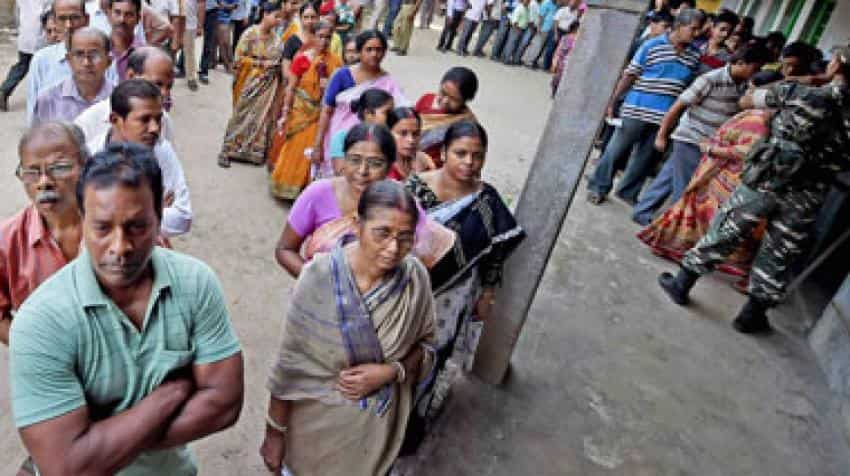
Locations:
(595, 198)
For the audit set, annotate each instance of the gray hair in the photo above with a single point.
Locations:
(688, 16)
(53, 129)
(97, 32)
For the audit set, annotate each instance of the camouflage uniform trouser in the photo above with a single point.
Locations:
(790, 215)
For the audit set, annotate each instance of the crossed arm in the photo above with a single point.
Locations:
(178, 411)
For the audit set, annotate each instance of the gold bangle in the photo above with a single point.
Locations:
(282, 429)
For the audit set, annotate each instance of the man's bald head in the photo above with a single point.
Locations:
(90, 33)
(155, 65)
(140, 57)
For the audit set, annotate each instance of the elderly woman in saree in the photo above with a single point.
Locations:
(307, 79)
(345, 87)
(465, 279)
(256, 85)
(355, 348)
(448, 106)
(679, 228)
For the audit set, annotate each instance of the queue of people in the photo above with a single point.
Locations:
(121, 348)
(739, 133)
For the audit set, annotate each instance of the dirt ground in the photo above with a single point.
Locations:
(237, 222)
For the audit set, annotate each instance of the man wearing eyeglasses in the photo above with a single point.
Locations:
(50, 65)
(88, 55)
(46, 235)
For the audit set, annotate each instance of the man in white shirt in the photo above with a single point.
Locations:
(145, 62)
(50, 65)
(29, 36)
(136, 116)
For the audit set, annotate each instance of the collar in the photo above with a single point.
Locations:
(91, 294)
(69, 89)
(36, 229)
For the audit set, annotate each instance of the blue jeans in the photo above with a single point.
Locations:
(466, 33)
(671, 181)
(395, 7)
(514, 38)
(633, 141)
(501, 39)
(527, 36)
(447, 37)
(488, 27)
(549, 48)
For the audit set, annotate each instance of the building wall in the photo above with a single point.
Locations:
(838, 28)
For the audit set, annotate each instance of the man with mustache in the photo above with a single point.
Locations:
(127, 354)
(46, 235)
(50, 64)
(88, 56)
(124, 15)
(136, 116)
(147, 62)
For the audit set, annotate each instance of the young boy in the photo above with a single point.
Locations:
(519, 24)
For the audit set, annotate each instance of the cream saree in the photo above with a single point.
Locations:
(330, 326)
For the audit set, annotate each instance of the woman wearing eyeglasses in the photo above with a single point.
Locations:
(327, 209)
(356, 344)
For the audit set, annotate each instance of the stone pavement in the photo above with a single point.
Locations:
(610, 377)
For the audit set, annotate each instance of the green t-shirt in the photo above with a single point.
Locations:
(71, 346)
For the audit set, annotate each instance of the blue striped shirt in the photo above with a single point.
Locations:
(663, 73)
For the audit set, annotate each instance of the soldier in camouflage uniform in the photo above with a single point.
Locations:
(785, 180)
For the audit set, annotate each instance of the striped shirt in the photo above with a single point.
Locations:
(663, 73)
(712, 100)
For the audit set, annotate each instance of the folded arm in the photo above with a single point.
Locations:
(214, 406)
(72, 444)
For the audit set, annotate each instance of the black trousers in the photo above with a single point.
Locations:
(17, 73)
(450, 30)
(208, 56)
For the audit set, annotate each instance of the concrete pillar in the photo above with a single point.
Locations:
(592, 71)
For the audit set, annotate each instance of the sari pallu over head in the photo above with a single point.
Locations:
(330, 326)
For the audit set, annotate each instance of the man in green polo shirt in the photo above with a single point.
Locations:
(126, 354)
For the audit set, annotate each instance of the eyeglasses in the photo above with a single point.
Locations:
(56, 171)
(92, 56)
(372, 163)
(383, 236)
(70, 18)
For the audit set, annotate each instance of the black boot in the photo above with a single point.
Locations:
(678, 287)
(753, 318)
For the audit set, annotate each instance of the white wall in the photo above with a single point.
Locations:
(838, 29)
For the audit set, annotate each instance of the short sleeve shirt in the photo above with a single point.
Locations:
(72, 347)
(663, 73)
(712, 99)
